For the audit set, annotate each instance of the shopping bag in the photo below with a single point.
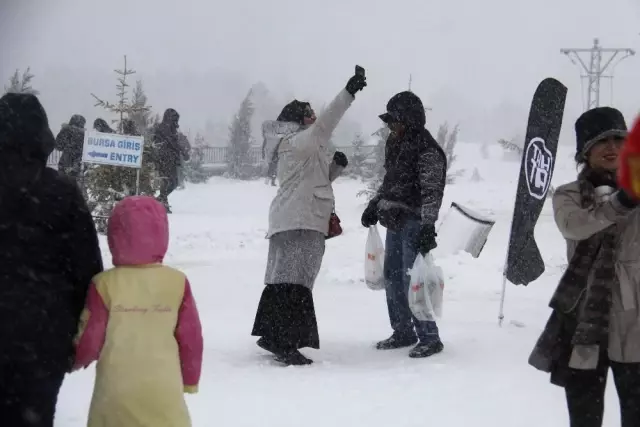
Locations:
(374, 260)
(426, 289)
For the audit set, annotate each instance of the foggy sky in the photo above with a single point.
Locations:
(474, 62)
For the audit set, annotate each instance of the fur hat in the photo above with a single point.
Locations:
(595, 125)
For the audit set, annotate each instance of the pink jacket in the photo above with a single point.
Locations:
(141, 324)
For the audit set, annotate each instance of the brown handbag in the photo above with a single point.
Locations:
(335, 229)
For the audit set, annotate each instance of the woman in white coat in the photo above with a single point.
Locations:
(299, 222)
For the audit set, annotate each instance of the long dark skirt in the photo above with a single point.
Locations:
(286, 318)
(29, 393)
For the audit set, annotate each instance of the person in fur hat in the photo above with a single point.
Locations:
(595, 323)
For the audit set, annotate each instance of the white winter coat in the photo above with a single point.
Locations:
(305, 171)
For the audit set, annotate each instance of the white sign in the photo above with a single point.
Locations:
(112, 149)
(538, 167)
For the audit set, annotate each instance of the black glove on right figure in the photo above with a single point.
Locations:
(427, 239)
(370, 215)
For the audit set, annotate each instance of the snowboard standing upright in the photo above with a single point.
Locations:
(524, 263)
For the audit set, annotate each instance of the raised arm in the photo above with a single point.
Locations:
(328, 120)
(578, 223)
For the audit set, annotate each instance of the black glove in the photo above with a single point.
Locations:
(391, 216)
(356, 84)
(340, 159)
(370, 215)
(626, 200)
(427, 241)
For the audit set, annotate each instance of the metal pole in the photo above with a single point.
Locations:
(137, 182)
(594, 71)
(503, 293)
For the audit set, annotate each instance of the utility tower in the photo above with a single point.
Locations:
(598, 64)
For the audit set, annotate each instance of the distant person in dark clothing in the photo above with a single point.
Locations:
(70, 142)
(170, 151)
(48, 255)
(102, 126)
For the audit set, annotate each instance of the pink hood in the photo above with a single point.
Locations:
(138, 231)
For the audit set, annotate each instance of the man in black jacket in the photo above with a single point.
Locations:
(70, 141)
(407, 204)
(170, 152)
(49, 253)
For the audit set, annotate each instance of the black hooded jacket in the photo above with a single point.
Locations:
(165, 136)
(49, 248)
(102, 126)
(70, 141)
(415, 165)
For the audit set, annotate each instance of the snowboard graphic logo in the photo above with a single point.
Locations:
(538, 167)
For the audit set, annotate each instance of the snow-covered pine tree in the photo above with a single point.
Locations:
(484, 151)
(240, 139)
(513, 152)
(140, 114)
(21, 83)
(357, 162)
(108, 184)
(194, 170)
(475, 177)
(447, 139)
(378, 171)
(511, 148)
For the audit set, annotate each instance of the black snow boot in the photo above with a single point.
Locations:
(397, 341)
(267, 345)
(293, 358)
(426, 349)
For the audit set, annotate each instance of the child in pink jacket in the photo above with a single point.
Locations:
(141, 325)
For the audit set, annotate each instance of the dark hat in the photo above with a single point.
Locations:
(171, 117)
(406, 108)
(102, 126)
(77, 120)
(595, 125)
(24, 128)
(295, 111)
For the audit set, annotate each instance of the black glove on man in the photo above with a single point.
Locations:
(356, 84)
(370, 215)
(427, 241)
(340, 159)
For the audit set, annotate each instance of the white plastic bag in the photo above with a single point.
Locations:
(374, 260)
(426, 289)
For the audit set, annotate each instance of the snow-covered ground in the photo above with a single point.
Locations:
(481, 379)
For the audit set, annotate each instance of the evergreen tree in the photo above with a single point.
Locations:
(378, 171)
(484, 151)
(238, 153)
(514, 152)
(108, 184)
(357, 163)
(140, 114)
(194, 170)
(447, 139)
(21, 83)
(476, 176)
